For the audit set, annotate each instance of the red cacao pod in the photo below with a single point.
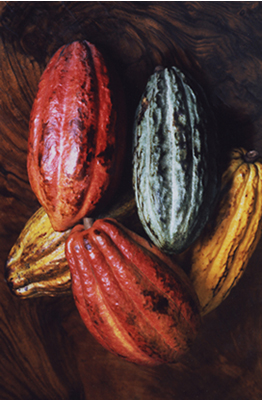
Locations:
(132, 298)
(76, 135)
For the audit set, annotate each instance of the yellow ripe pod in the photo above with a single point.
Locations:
(221, 253)
(36, 265)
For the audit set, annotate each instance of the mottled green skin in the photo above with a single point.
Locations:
(175, 174)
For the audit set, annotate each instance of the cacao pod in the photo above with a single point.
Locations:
(175, 160)
(220, 255)
(36, 265)
(76, 136)
(132, 298)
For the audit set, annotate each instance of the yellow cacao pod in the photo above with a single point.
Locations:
(36, 265)
(221, 253)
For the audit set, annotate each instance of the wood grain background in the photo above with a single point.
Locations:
(45, 350)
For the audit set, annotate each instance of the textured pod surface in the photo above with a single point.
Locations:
(134, 301)
(36, 265)
(77, 135)
(222, 252)
(175, 163)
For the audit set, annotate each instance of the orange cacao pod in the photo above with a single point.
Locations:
(76, 135)
(132, 298)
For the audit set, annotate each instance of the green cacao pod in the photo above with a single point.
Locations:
(175, 160)
(36, 265)
(132, 298)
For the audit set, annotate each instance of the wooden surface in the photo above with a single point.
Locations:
(45, 350)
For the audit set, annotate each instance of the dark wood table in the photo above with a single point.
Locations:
(45, 350)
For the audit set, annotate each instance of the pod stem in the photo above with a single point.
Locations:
(88, 222)
(159, 68)
(251, 156)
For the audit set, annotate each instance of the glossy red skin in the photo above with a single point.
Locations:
(76, 136)
(132, 298)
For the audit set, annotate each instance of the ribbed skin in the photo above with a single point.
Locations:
(222, 252)
(175, 174)
(77, 136)
(36, 265)
(134, 301)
